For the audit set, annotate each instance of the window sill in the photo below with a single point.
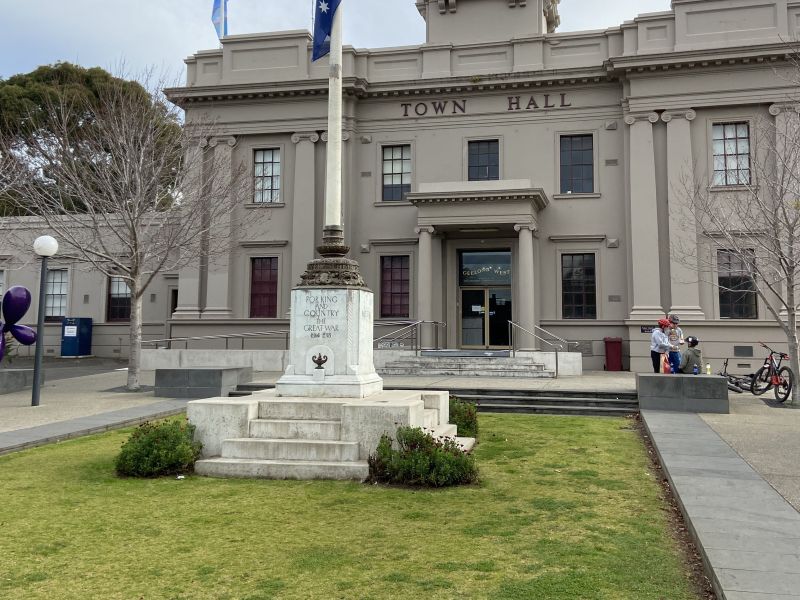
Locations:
(593, 195)
(265, 205)
(733, 188)
(392, 203)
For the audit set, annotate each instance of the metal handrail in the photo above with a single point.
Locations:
(553, 335)
(512, 346)
(409, 328)
(233, 336)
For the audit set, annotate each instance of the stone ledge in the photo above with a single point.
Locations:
(200, 383)
(683, 393)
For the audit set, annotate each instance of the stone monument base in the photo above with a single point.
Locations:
(278, 437)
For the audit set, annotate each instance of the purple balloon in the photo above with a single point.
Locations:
(24, 335)
(16, 302)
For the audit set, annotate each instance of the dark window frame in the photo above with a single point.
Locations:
(50, 303)
(483, 160)
(264, 290)
(395, 272)
(731, 147)
(399, 165)
(736, 281)
(577, 163)
(118, 303)
(267, 175)
(578, 285)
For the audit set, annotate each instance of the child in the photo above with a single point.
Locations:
(675, 336)
(659, 344)
(692, 357)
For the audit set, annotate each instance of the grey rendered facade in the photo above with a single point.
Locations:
(523, 157)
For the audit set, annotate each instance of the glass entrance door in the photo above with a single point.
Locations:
(485, 282)
(485, 313)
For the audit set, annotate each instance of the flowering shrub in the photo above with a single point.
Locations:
(419, 459)
(464, 415)
(165, 448)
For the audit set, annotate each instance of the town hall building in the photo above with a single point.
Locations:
(500, 171)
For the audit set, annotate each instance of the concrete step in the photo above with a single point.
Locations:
(313, 450)
(596, 411)
(446, 430)
(295, 429)
(467, 444)
(421, 361)
(282, 469)
(322, 410)
(254, 387)
(484, 372)
(484, 402)
(239, 394)
(431, 418)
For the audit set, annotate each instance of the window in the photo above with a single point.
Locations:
(118, 305)
(395, 286)
(578, 286)
(267, 175)
(483, 160)
(737, 295)
(264, 288)
(55, 299)
(396, 172)
(731, 147)
(577, 164)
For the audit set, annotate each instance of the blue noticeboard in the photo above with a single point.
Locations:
(76, 337)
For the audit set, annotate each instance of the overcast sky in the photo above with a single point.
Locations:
(163, 32)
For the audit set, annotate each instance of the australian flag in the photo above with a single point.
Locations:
(323, 25)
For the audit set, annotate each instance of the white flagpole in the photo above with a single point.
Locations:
(333, 187)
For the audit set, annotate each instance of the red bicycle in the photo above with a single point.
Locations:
(772, 374)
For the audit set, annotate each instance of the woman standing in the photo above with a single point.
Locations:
(659, 343)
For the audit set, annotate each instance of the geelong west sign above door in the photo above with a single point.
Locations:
(434, 108)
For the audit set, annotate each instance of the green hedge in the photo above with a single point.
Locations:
(419, 459)
(464, 415)
(165, 448)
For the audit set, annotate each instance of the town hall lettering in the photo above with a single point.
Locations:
(459, 107)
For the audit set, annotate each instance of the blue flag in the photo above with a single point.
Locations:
(323, 25)
(219, 17)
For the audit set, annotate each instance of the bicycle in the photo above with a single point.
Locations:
(772, 374)
(736, 383)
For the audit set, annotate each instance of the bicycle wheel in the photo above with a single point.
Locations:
(761, 382)
(784, 389)
(733, 387)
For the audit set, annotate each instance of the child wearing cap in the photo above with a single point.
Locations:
(659, 344)
(692, 357)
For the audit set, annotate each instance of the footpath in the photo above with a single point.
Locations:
(736, 477)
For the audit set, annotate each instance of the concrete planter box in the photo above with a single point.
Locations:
(683, 393)
(200, 383)
(14, 380)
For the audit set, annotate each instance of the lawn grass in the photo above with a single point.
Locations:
(566, 508)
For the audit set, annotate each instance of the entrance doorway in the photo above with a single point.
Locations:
(486, 300)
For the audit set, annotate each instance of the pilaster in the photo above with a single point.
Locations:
(646, 302)
(684, 280)
(217, 288)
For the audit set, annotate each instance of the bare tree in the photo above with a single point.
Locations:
(125, 188)
(753, 225)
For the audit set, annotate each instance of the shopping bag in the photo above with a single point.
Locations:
(665, 366)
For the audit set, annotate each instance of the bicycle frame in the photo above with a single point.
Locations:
(774, 366)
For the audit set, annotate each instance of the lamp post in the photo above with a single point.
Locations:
(45, 246)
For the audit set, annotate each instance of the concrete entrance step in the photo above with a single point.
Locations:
(317, 409)
(308, 450)
(282, 469)
(465, 353)
(247, 389)
(295, 429)
(479, 362)
(467, 372)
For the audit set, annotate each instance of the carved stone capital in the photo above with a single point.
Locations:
(684, 113)
(229, 140)
(305, 136)
(520, 226)
(782, 107)
(334, 269)
(426, 229)
(632, 118)
(345, 136)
